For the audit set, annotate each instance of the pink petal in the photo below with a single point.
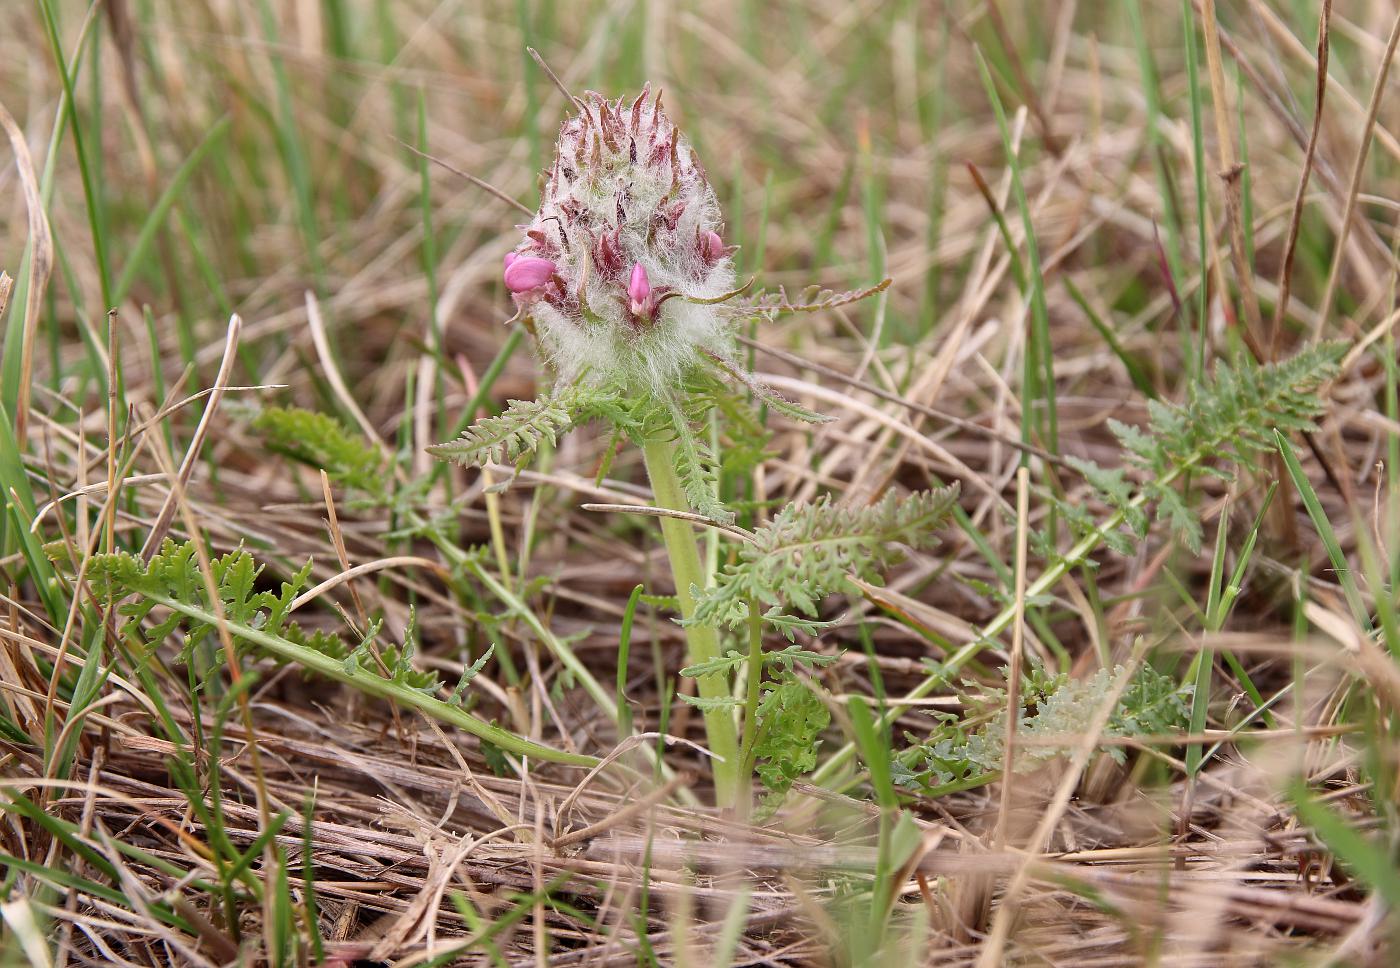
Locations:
(714, 246)
(639, 287)
(527, 272)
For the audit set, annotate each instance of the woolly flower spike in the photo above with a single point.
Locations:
(623, 265)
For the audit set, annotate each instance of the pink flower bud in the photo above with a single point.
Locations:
(527, 272)
(714, 246)
(510, 257)
(639, 289)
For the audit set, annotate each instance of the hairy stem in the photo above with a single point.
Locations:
(753, 687)
(702, 641)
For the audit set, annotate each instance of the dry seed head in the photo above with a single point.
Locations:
(625, 245)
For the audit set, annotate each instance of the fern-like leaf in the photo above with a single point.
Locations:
(514, 436)
(808, 551)
(695, 467)
(323, 442)
(257, 621)
(791, 719)
(1056, 709)
(174, 573)
(788, 408)
(1225, 424)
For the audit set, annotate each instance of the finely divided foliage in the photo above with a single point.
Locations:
(1229, 420)
(970, 747)
(257, 622)
(514, 436)
(812, 299)
(174, 574)
(321, 441)
(791, 721)
(809, 551)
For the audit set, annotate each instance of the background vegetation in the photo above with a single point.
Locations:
(235, 290)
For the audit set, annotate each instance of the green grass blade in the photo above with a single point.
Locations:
(1204, 665)
(16, 496)
(1198, 164)
(1340, 566)
(85, 167)
(155, 218)
(624, 649)
(873, 751)
(1040, 365)
(1136, 373)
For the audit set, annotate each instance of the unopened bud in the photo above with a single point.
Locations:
(714, 246)
(639, 289)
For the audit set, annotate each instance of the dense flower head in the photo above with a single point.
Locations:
(622, 265)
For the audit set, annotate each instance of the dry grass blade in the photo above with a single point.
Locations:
(1230, 175)
(364, 568)
(945, 416)
(801, 388)
(1027, 89)
(40, 248)
(1013, 667)
(1358, 169)
(1295, 221)
(478, 182)
(166, 515)
(655, 512)
(317, 326)
(554, 78)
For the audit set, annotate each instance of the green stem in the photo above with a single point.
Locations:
(753, 687)
(702, 640)
(375, 685)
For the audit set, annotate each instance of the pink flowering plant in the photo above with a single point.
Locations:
(625, 279)
(623, 265)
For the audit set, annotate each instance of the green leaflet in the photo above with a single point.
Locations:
(1228, 420)
(791, 719)
(785, 658)
(515, 435)
(259, 619)
(1055, 712)
(813, 299)
(321, 441)
(808, 550)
